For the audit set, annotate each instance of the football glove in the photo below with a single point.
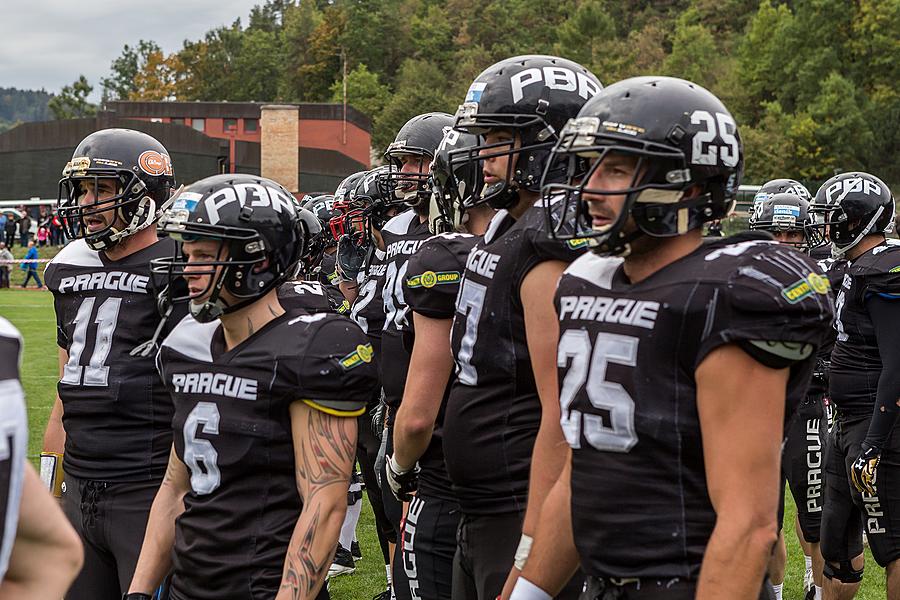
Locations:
(864, 472)
(403, 483)
(137, 596)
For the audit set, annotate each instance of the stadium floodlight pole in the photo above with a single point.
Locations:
(344, 121)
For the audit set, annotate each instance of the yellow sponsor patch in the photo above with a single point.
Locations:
(813, 283)
(429, 279)
(578, 243)
(895, 269)
(362, 354)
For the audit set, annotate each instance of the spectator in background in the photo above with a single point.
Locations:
(5, 255)
(29, 265)
(43, 235)
(24, 229)
(3, 220)
(10, 231)
(56, 233)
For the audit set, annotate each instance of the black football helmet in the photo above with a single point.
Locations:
(345, 189)
(144, 178)
(787, 211)
(781, 186)
(323, 207)
(419, 137)
(368, 209)
(853, 206)
(452, 187)
(681, 135)
(532, 97)
(260, 239)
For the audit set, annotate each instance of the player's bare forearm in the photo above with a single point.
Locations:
(430, 367)
(54, 434)
(553, 559)
(742, 428)
(155, 560)
(324, 451)
(43, 537)
(542, 334)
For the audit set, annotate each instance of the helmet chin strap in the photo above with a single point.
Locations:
(146, 214)
(837, 252)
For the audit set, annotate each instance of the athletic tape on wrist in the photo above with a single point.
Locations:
(52, 472)
(522, 551)
(525, 590)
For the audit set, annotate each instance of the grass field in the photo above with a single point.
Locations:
(32, 313)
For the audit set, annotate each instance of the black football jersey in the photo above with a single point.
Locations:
(430, 287)
(855, 360)
(493, 411)
(328, 274)
(306, 296)
(233, 432)
(834, 272)
(13, 439)
(402, 235)
(329, 278)
(117, 414)
(627, 356)
(368, 309)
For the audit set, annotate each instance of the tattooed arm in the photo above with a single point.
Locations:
(324, 451)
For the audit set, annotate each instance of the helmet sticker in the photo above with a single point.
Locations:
(787, 210)
(187, 201)
(154, 163)
(475, 91)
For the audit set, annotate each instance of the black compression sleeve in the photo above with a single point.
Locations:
(885, 315)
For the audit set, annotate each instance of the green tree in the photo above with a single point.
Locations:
(364, 91)
(71, 102)
(694, 55)
(761, 60)
(120, 84)
(419, 89)
(842, 128)
(589, 38)
(300, 21)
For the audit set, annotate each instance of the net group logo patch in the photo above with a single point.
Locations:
(812, 284)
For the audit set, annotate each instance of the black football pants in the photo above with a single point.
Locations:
(648, 589)
(429, 544)
(847, 511)
(802, 467)
(485, 550)
(110, 518)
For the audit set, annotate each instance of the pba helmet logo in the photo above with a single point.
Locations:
(154, 163)
(555, 78)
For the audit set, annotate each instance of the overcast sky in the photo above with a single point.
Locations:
(49, 43)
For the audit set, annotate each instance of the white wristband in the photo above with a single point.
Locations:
(525, 590)
(522, 551)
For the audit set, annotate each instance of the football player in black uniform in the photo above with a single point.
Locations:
(430, 287)
(265, 407)
(40, 553)
(112, 415)
(322, 266)
(863, 459)
(500, 335)
(360, 259)
(678, 359)
(786, 216)
(304, 294)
